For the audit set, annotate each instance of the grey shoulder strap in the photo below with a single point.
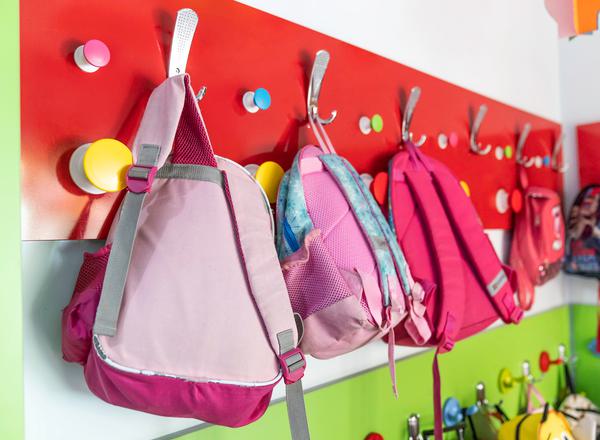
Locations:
(293, 363)
(107, 314)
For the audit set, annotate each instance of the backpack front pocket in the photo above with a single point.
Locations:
(78, 317)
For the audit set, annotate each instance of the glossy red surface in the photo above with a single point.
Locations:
(588, 145)
(236, 48)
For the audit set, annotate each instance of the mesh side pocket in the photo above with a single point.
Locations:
(78, 317)
(312, 278)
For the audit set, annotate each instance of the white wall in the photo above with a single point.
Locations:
(503, 49)
(580, 104)
(506, 50)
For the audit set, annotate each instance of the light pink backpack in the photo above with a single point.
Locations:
(538, 243)
(345, 273)
(443, 241)
(185, 313)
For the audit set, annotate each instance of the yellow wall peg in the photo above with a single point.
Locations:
(507, 381)
(269, 175)
(100, 166)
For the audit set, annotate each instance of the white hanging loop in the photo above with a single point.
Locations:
(185, 27)
(407, 115)
(523, 160)
(558, 144)
(314, 88)
(473, 143)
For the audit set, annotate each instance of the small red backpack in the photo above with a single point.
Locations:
(537, 247)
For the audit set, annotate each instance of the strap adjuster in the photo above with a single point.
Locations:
(139, 178)
(293, 364)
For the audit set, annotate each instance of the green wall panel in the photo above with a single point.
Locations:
(587, 368)
(11, 349)
(354, 407)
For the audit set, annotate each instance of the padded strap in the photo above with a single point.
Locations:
(365, 217)
(447, 255)
(293, 362)
(268, 289)
(482, 256)
(437, 399)
(568, 378)
(111, 297)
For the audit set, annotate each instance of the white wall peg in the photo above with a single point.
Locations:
(502, 201)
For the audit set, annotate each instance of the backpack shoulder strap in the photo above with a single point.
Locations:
(496, 277)
(171, 126)
(340, 170)
(447, 255)
(270, 296)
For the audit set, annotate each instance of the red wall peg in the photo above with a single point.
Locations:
(545, 362)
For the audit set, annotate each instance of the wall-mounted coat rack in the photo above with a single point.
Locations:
(234, 52)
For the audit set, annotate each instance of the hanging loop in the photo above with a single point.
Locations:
(314, 88)
(407, 115)
(473, 143)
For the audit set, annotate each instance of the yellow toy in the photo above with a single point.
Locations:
(537, 424)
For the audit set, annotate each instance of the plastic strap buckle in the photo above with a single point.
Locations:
(139, 178)
(293, 365)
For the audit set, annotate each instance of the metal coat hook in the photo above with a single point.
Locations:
(314, 87)
(407, 114)
(522, 160)
(201, 93)
(555, 153)
(185, 27)
(473, 143)
(480, 394)
(414, 428)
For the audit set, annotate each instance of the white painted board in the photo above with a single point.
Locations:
(58, 405)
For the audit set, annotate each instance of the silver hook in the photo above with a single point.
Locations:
(480, 394)
(201, 93)
(314, 87)
(558, 144)
(407, 114)
(185, 26)
(414, 428)
(475, 147)
(562, 352)
(522, 160)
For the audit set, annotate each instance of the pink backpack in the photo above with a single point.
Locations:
(444, 242)
(345, 273)
(185, 313)
(537, 247)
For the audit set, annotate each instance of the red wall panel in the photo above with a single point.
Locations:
(588, 144)
(236, 48)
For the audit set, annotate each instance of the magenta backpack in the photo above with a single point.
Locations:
(184, 312)
(538, 242)
(345, 273)
(443, 241)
